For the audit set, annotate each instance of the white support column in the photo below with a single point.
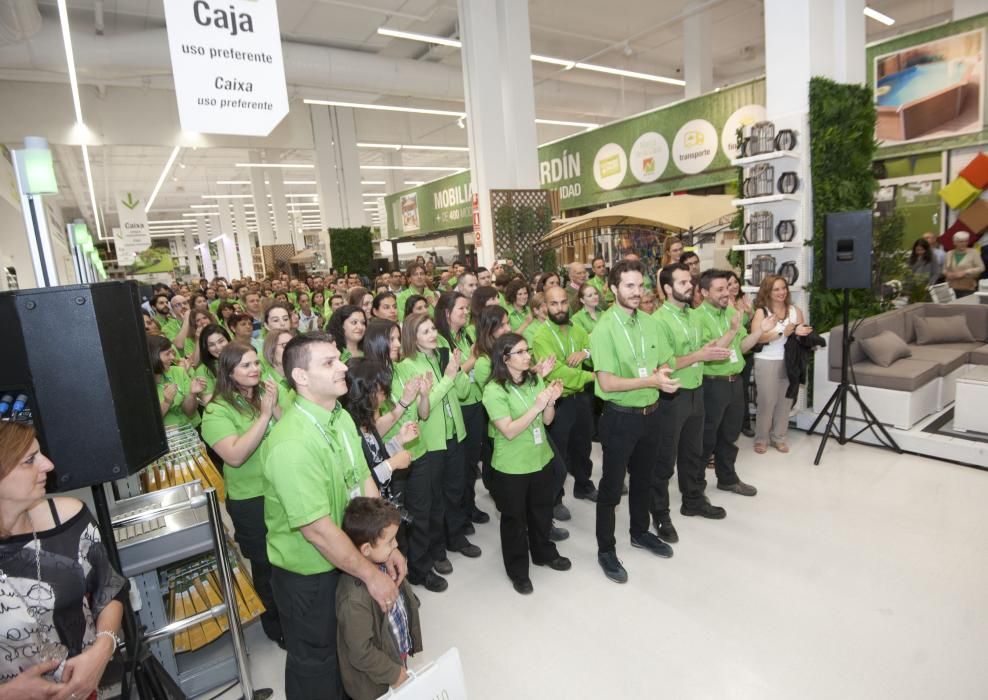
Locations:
(698, 64)
(244, 246)
(190, 253)
(207, 259)
(496, 50)
(279, 204)
(258, 189)
(968, 8)
(229, 233)
(322, 139)
(849, 41)
(337, 167)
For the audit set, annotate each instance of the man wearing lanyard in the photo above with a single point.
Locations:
(572, 428)
(599, 281)
(626, 347)
(313, 466)
(723, 390)
(681, 414)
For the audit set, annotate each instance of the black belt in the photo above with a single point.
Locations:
(723, 378)
(637, 411)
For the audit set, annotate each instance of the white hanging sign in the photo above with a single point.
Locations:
(227, 64)
(126, 255)
(134, 230)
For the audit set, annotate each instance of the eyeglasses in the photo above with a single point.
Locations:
(524, 351)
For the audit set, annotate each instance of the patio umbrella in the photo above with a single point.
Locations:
(678, 213)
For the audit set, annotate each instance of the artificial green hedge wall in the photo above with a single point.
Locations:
(352, 249)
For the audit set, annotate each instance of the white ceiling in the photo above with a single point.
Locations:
(639, 35)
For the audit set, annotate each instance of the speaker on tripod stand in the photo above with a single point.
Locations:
(847, 266)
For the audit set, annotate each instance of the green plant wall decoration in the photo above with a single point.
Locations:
(352, 249)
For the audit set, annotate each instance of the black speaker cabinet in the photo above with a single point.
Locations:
(80, 355)
(848, 247)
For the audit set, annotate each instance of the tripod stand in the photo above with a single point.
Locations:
(836, 407)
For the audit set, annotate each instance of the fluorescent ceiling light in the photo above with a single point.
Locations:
(161, 178)
(92, 191)
(228, 196)
(878, 16)
(63, 17)
(385, 108)
(375, 194)
(436, 168)
(203, 213)
(559, 122)
(300, 182)
(233, 182)
(414, 183)
(204, 206)
(213, 240)
(409, 147)
(373, 182)
(167, 221)
(274, 165)
(566, 64)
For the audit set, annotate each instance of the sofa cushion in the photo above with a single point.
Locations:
(885, 348)
(946, 329)
(891, 321)
(949, 356)
(902, 375)
(979, 356)
(975, 314)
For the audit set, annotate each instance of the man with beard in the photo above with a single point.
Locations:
(626, 350)
(599, 282)
(723, 390)
(572, 428)
(681, 413)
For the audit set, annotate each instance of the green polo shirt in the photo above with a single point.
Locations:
(534, 327)
(582, 319)
(680, 334)
(286, 395)
(714, 323)
(623, 344)
(561, 342)
(445, 417)
(403, 297)
(602, 289)
(313, 464)
(220, 420)
(176, 416)
(465, 384)
(170, 328)
(516, 317)
(528, 451)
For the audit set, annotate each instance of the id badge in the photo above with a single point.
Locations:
(734, 355)
(643, 373)
(449, 410)
(537, 435)
(472, 380)
(355, 492)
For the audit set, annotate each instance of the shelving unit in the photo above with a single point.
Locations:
(777, 245)
(796, 154)
(768, 199)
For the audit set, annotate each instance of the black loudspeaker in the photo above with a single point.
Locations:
(848, 249)
(79, 354)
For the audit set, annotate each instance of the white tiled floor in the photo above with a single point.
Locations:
(865, 577)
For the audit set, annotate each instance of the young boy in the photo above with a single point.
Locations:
(373, 646)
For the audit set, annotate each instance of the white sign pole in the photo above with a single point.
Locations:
(227, 65)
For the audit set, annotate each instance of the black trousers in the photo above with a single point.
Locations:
(723, 403)
(249, 531)
(423, 497)
(475, 422)
(455, 520)
(525, 502)
(629, 443)
(680, 447)
(749, 367)
(571, 431)
(308, 614)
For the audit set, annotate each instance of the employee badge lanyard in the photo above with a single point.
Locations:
(691, 338)
(350, 477)
(560, 341)
(536, 424)
(727, 326)
(448, 410)
(640, 361)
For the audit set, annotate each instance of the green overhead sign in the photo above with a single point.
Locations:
(682, 146)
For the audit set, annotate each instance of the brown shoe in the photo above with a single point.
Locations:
(760, 448)
(781, 446)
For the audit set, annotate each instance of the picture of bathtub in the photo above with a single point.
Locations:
(931, 90)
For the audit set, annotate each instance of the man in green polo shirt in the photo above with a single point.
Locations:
(572, 428)
(626, 347)
(681, 414)
(313, 465)
(723, 389)
(599, 281)
(417, 279)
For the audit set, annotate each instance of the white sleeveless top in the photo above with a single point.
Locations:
(776, 350)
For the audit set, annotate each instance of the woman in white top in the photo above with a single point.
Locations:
(771, 380)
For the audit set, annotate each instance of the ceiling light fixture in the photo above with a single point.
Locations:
(375, 194)
(560, 122)
(274, 165)
(436, 168)
(228, 196)
(92, 191)
(409, 147)
(161, 178)
(385, 108)
(426, 38)
(631, 74)
(63, 17)
(373, 182)
(878, 16)
(568, 65)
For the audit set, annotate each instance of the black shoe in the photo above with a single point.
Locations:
(478, 516)
(705, 509)
(469, 529)
(740, 488)
(560, 563)
(468, 550)
(590, 495)
(667, 531)
(558, 534)
(444, 567)
(748, 431)
(432, 582)
(612, 567)
(523, 586)
(561, 512)
(648, 541)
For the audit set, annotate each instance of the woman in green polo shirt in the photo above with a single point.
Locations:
(212, 340)
(452, 311)
(177, 392)
(588, 315)
(520, 407)
(519, 315)
(235, 423)
(348, 325)
(415, 304)
(189, 335)
(272, 369)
